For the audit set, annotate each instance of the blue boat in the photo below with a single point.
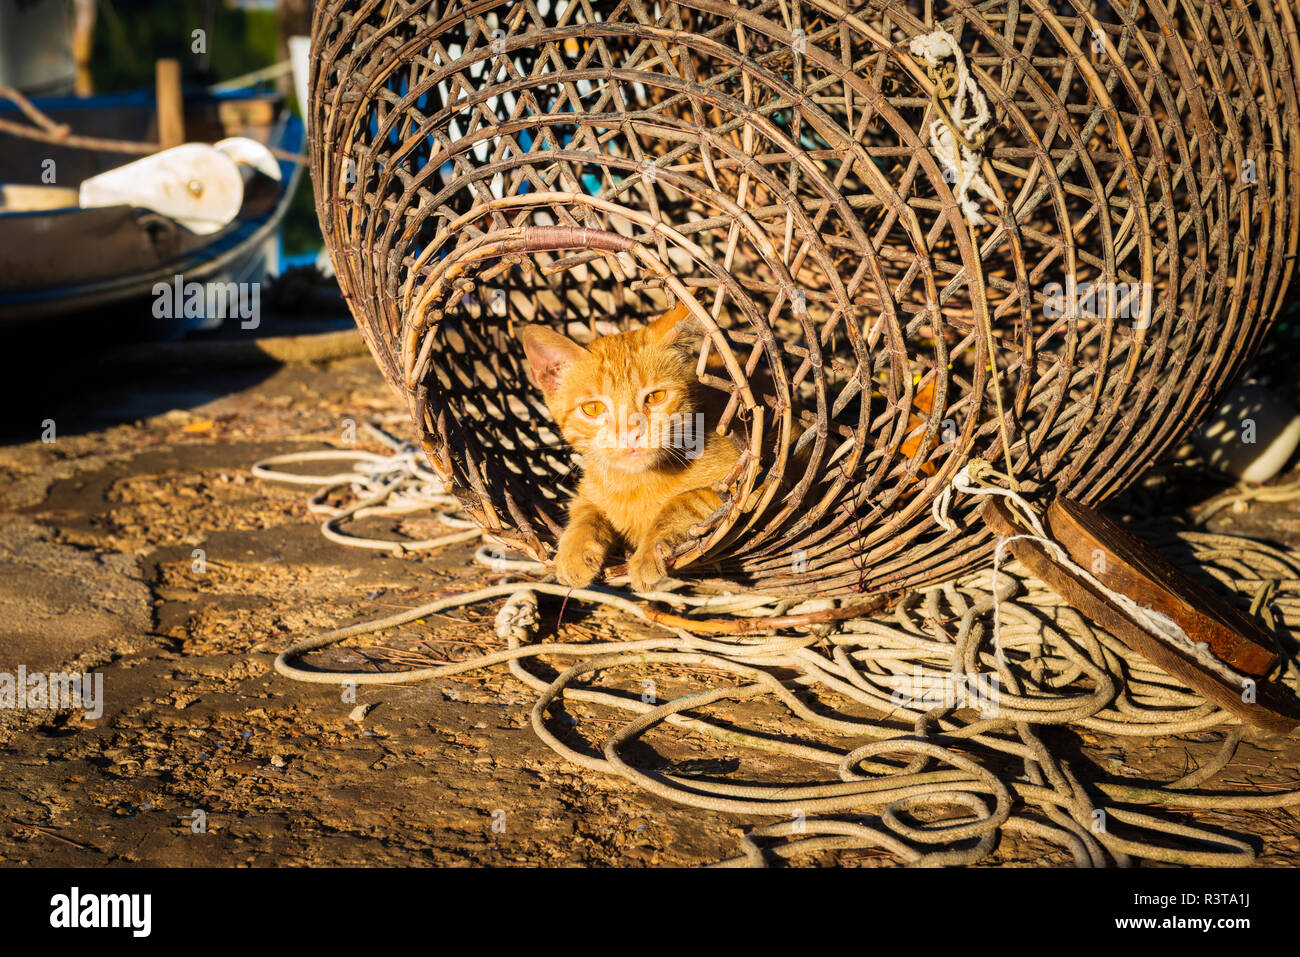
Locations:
(69, 260)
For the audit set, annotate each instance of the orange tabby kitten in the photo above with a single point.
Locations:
(631, 405)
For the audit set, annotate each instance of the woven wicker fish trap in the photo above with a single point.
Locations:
(1045, 234)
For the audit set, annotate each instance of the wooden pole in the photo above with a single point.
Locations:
(83, 42)
(171, 106)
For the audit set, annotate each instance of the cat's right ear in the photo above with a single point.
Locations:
(549, 355)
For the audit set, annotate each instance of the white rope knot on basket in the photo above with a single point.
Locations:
(970, 115)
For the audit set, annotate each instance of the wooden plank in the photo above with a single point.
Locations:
(236, 116)
(1126, 564)
(24, 198)
(1275, 707)
(171, 105)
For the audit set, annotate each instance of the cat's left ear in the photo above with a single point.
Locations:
(679, 329)
(549, 355)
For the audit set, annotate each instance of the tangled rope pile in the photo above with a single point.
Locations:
(954, 751)
(381, 485)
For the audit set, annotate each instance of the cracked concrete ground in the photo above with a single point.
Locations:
(203, 755)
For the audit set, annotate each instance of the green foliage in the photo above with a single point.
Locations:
(129, 37)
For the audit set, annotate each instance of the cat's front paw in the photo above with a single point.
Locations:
(578, 560)
(646, 568)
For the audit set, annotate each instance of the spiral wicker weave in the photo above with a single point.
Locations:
(587, 164)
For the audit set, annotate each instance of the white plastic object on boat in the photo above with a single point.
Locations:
(195, 184)
(1252, 435)
(249, 152)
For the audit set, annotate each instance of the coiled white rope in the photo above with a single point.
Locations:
(923, 746)
(381, 485)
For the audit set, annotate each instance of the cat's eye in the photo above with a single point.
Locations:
(592, 409)
(655, 397)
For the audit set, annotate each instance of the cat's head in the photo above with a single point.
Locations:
(629, 400)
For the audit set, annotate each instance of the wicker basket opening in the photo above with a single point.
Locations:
(588, 164)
